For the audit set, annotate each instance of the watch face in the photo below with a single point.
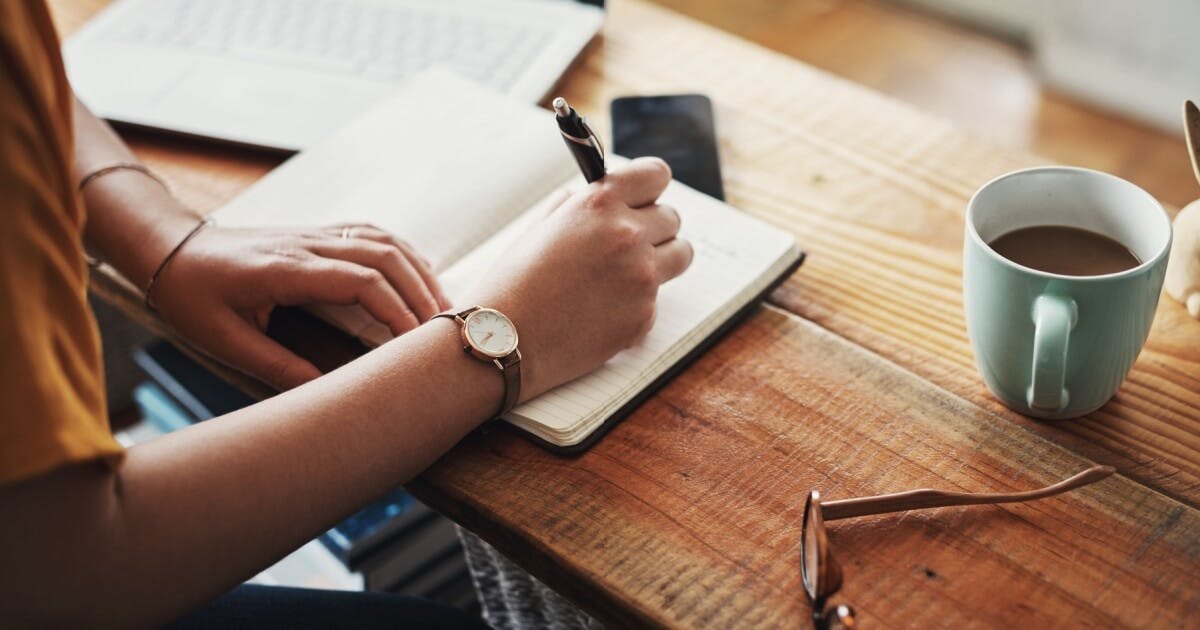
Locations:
(491, 333)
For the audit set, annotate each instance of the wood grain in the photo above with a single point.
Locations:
(984, 84)
(876, 192)
(861, 382)
(688, 514)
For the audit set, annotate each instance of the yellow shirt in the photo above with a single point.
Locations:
(52, 408)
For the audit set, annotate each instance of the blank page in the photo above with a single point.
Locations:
(443, 164)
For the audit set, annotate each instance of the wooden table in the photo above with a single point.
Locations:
(856, 378)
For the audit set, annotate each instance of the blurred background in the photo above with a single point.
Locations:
(1096, 83)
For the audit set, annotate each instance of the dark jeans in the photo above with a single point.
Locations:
(256, 606)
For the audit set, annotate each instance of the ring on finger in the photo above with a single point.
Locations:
(346, 232)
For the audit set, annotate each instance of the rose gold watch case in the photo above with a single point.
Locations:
(480, 353)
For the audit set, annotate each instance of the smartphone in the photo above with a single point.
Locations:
(677, 128)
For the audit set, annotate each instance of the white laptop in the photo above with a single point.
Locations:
(284, 73)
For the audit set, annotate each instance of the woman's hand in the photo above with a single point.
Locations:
(581, 284)
(220, 289)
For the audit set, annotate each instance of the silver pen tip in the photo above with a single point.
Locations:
(560, 106)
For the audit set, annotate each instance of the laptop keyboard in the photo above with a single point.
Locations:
(381, 41)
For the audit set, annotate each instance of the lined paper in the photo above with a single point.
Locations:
(736, 257)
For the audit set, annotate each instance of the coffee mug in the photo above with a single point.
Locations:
(1056, 346)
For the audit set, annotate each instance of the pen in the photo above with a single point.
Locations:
(581, 140)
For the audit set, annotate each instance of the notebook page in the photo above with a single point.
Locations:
(733, 251)
(443, 164)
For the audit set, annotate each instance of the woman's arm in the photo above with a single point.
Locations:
(133, 221)
(220, 288)
(192, 514)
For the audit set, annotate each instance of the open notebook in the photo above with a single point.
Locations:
(452, 168)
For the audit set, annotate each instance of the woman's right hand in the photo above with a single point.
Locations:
(581, 283)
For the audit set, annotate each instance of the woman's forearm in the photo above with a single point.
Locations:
(132, 221)
(192, 514)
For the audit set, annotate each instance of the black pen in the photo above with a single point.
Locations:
(581, 140)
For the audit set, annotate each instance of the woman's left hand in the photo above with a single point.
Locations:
(221, 287)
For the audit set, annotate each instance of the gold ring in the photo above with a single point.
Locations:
(346, 232)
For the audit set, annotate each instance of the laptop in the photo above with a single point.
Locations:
(282, 74)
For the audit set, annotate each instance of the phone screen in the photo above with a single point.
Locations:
(679, 129)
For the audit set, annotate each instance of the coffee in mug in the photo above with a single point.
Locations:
(1065, 250)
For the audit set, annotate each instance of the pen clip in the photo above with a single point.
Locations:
(593, 139)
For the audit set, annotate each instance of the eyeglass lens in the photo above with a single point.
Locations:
(810, 550)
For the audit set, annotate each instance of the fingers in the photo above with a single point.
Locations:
(425, 271)
(640, 182)
(253, 352)
(334, 281)
(672, 258)
(660, 223)
(394, 263)
(419, 262)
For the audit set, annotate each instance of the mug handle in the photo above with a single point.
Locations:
(1053, 318)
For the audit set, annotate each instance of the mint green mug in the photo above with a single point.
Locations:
(1055, 346)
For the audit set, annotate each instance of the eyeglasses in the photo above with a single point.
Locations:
(822, 575)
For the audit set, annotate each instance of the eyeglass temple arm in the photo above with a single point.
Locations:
(925, 498)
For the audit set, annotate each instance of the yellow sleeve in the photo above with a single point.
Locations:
(52, 407)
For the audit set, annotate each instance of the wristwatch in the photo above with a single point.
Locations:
(488, 335)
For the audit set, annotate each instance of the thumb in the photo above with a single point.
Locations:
(250, 350)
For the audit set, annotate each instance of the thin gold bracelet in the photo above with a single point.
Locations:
(122, 166)
(205, 222)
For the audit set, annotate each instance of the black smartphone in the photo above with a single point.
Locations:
(677, 128)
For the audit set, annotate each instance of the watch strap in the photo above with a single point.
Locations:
(460, 317)
(510, 368)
